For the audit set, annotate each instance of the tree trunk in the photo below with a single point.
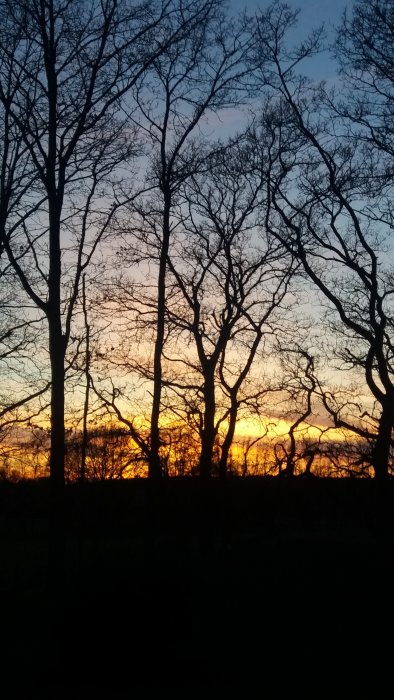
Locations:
(228, 439)
(154, 466)
(290, 458)
(84, 444)
(381, 449)
(54, 182)
(381, 500)
(209, 431)
(56, 520)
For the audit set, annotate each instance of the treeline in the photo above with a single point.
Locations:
(111, 454)
(194, 233)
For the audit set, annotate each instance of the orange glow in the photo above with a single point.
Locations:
(272, 428)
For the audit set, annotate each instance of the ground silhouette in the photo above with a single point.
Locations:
(260, 585)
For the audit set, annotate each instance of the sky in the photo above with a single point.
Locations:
(313, 13)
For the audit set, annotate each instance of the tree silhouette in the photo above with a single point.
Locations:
(364, 50)
(228, 291)
(320, 210)
(65, 68)
(195, 78)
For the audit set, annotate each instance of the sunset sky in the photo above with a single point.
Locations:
(123, 305)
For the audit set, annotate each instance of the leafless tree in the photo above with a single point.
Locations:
(364, 50)
(22, 369)
(321, 211)
(65, 69)
(298, 396)
(108, 454)
(228, 287)
(186, 86)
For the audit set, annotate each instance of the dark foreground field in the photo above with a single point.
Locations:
(265, 587)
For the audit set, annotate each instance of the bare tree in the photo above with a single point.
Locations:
(24, 376)
(22, 369)
(226, 302)
(321, 211)
(65, 68)
(301, 403)
(364, 49)
(25, 381)
(107, 454)
(190, 82)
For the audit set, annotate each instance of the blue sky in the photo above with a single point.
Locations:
(313, 13)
